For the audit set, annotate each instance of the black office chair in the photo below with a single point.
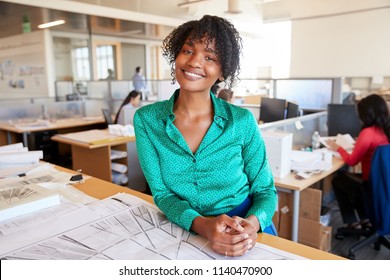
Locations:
(377, 200)
(107, 116)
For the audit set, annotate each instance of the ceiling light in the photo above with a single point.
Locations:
(52, 23)
(186, 4)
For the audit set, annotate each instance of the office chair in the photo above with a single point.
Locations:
(377, 200)
(107, 116)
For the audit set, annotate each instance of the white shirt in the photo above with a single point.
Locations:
(126, 114)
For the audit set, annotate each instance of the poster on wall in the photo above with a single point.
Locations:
(22, 69)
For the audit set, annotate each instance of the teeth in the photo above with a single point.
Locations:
(192, 74)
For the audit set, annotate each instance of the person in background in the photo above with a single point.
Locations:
(348, 188)
(111, 74)
(139, 82)
(127, 109)
(183, 142)
(227, 95)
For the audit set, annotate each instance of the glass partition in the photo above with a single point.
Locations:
(301, 127)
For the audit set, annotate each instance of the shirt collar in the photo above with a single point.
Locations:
(220, 108)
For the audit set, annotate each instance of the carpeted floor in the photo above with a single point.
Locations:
(341, 247)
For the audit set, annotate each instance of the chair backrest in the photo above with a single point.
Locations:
(107, 116)
(378, 192)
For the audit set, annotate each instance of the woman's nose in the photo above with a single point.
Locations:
(195, 61)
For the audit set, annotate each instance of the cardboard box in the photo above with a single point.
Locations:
(310, 206)
(314, 234)
(311, 232)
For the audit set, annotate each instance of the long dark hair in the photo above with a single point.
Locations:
(132, 94)
(228, 45)
(373, 111)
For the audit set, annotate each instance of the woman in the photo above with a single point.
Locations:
(348, 188)
(127, 109)
(204, 159)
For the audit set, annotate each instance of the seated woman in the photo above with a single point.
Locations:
(348, 188)
(205, 159)
(127, 109)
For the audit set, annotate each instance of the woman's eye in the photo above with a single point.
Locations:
(211, 59)
(187, 51)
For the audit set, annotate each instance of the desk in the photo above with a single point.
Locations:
(101, 189)
(296, 186)
(91, 152)
(27, 128)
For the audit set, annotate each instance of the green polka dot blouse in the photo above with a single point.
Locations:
(229, 165)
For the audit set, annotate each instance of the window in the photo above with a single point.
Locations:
(105, 56)
(81, 63)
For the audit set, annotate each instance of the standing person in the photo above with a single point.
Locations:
(127, 109)
(348, 188)
(204, 159)
(139, 82)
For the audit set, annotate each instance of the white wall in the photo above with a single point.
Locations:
(347, 45)
(24, 67)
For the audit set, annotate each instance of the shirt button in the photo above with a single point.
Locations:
(195, 183)
(194, 160)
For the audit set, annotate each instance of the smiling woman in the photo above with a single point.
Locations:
(204, 159)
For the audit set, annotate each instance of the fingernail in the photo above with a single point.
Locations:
(250, 241)
(246, 236)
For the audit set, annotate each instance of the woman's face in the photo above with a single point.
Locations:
(135, 100)
(197, 66)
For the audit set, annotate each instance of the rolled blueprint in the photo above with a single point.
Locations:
(118, 167)
(119, 178)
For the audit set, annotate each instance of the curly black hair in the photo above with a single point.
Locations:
(228, 45)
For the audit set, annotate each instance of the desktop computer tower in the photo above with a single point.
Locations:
(279, 147)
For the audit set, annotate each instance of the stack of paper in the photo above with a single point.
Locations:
(16, 159)
(20, 200)
(303, 161)
(344, 140)
(121, 130)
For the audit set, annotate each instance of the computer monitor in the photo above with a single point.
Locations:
(343, 119)
(292, 110)
(107, 116)
(272, 109)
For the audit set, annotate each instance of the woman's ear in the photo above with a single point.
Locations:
(221, 78)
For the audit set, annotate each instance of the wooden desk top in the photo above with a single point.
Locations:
(92, 139)
(22, 127)
(101, 189)
(292, 183)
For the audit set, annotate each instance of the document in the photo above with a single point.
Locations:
(122, 227)
(344, 140)
(43, 178)
(23, 199)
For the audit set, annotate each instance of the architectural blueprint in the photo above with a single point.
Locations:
(121, 227)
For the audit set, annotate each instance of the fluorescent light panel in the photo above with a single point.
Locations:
(186, 4)
(52, 23)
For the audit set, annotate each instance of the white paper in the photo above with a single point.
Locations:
(122, 227)
(118, 167)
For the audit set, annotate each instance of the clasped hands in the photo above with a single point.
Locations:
(229, 236)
